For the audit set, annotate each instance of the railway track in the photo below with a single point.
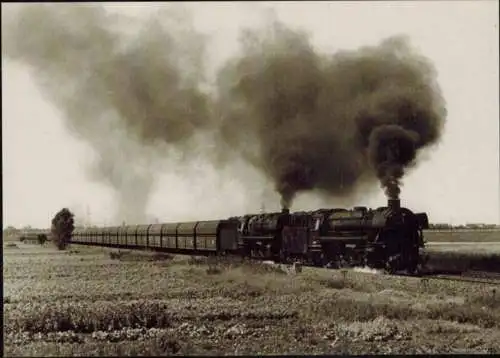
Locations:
(477, 277)
(495, 281)
(479, 274)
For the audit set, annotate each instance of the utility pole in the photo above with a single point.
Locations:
(87, 216)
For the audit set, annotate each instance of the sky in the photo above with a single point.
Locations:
(456, 181)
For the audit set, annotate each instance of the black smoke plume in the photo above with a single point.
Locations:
(329, 122)
(131, 92)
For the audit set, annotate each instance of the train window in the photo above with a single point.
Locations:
(316, 227)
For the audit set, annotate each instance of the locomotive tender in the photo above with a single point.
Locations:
(388, 238)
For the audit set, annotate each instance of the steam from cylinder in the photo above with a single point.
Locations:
(309, 121)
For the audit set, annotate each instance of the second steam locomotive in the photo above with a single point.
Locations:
(388, 237)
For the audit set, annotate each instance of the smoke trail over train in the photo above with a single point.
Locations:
(132, 95)
(309, 121)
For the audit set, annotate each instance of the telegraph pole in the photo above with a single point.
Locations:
(87, 216)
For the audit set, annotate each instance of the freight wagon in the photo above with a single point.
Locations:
(197, 237)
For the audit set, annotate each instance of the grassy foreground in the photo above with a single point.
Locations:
(87, 301)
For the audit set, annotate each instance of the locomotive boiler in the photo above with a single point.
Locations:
(387, 238)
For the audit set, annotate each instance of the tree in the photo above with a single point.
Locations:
(62, 228)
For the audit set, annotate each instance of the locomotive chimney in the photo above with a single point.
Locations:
(393, 204)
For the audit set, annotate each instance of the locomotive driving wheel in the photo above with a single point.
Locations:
(366, 260)
(390, 266)
(389, 269)
(317, 259)
(415, 264)
(417, 270)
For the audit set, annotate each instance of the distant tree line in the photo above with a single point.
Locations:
(477, 226)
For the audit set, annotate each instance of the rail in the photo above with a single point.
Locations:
(470, 279)
(478, 277)
(458, 231)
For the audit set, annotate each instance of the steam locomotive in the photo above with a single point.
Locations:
(388, 238)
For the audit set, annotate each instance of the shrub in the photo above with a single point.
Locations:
(115, 255)
(213, 270)
(42, 239)
(195, 260)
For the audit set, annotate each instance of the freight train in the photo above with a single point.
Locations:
(388, 238)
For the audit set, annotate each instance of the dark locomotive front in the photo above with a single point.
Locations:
(399, 239)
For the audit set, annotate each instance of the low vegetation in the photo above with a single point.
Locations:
(101, 302)
(128, 255)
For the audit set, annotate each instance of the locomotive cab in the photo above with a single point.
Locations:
(279, 236)
(260, 235)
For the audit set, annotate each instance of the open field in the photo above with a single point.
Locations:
(464, 250)
(456, 236)
(458, 261)
(479, 247)
(83, 301)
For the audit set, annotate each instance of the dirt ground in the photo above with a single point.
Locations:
(85, 301)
